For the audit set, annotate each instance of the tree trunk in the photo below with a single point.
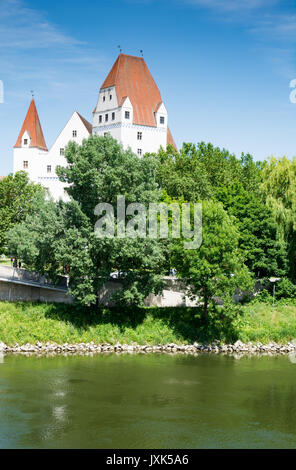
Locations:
(205, 310)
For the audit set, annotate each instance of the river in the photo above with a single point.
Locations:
(147, 401)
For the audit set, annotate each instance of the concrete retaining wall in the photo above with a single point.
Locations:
(10, 291)
(21, 285)
(7, 272)
(173, 294)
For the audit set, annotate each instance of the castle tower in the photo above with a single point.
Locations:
(131, 109)
(31, 154)
(30, 148)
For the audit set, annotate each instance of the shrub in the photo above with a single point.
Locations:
(285, 289)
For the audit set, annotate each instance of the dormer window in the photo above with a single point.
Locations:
(25, 141)
(74, 133)
(161, 119)
(127, 114)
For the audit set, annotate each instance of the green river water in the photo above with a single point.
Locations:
(147, 401)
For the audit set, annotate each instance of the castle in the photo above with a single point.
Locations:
(129, 108)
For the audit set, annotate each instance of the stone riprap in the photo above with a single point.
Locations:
(196, 348)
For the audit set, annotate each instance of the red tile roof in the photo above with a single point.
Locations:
(170, 139)
(131, 77)
(87, 124)
(33, 127)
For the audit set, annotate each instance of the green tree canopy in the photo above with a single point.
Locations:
(265, 254)
(279, 188)
(217, 267)
(199, 171)
(63, 234)
(16, 198)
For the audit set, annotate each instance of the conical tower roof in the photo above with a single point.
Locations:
(33, 127)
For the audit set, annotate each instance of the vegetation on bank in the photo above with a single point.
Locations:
(29, 323)
(248, 235)
(264, 323)
(17, 194)
(240, 240)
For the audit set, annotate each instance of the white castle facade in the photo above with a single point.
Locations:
(129, 108)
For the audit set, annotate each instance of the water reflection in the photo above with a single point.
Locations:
(154, 401)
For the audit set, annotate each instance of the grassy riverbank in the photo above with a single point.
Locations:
(262, 322)
(28, 323)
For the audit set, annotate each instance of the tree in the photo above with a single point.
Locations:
(216, 268)
(265, 254)
(279, 189)
(36, 239)
(64, 234)
(182, 174)
(16, 198)
(199, 171)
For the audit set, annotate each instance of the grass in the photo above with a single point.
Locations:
(31, 322)
(23, 322)
(264, 323)
(5, 262)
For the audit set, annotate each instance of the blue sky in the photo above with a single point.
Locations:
(223, 67)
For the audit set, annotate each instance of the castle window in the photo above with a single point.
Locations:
(139, 152)
(25, 164)
(100, 118)
(139, 135)
(113, 116)
(127, 114)
(161, 119)
(106, 117)
(48, 168)
(62, 151)
(25, 141)
(74, 133)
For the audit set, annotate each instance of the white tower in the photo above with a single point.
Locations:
(31, 153)
(30, 149)
(131, 109)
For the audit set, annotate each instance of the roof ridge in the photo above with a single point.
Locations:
(86, 123)
(130, 55)
(132, 78)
